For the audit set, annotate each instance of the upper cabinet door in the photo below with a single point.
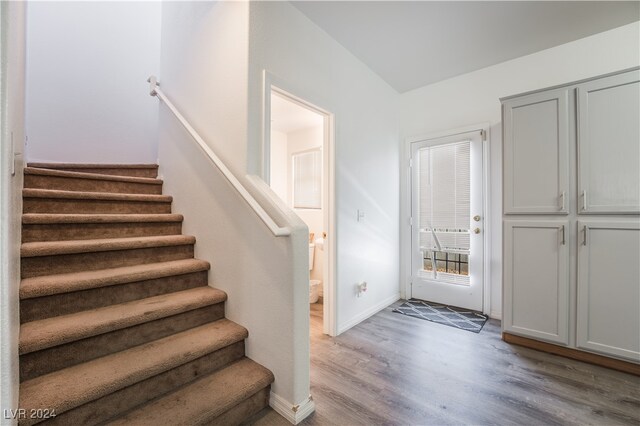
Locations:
(609, 144)
(536, 153)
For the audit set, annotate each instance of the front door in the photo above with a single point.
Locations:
(447, 220)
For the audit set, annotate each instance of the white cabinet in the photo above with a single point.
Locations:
(536, 153)
(574, 280)
(608, 308)
(536, 277)
(609, 144)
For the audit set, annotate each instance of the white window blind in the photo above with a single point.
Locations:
(307, 180)
(445, 197)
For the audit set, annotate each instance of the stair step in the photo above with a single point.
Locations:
(45, 361)
(42, 334)
(72, 387)
(54, 201)
(48, 285)
(56, 257)
(53, 248)
(47, 218)
(60, 227)
(245, 411)
(92, 182)
(137, 170)
(49, 296)
(202, 401)
(106, 408)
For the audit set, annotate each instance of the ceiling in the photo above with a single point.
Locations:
(287, 117)
(414, 43)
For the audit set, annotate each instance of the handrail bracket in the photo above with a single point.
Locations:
(153, 85)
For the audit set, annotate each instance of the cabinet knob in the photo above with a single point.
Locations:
(476, 218)
(476, 231)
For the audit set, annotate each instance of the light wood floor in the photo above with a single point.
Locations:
(397, 370)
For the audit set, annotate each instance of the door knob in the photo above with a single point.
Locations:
(476, 218)
(476, 231)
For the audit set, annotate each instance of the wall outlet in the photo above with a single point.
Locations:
(361, 288)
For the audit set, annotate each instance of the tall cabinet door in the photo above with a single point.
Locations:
(609, 144)
(608, 304)
(536, 153)
(536, 279)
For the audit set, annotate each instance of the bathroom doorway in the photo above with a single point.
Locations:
(298, 166)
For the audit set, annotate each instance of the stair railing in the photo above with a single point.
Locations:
(277, 231)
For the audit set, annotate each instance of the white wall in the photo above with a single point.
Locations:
(279, 179)
(12, 96)
(252, 266)
(87, 96)
(474, 98)
(313, 66)
(204, 72)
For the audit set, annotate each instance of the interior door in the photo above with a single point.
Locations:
(447, 220)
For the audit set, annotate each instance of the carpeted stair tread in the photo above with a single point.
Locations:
(205, 399)
(66, 180)
(90, 176)
(73, 386)
(136, 170)
(52, 218)
(47, 285)
(52, 248)
(91, 166)
(46, 333)
(84, 195)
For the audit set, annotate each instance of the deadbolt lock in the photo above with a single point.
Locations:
(476, 218)
(476, 231)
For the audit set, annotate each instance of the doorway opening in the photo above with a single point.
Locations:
(448, 220)
(298, 166)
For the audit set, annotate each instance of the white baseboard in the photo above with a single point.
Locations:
(294, 413)
(496, 315)
(369, 312)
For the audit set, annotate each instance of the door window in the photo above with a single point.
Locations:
(444, 215)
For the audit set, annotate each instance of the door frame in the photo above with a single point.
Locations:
(406, 255)
(310, 102)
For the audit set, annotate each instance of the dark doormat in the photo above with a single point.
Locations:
(443, 314)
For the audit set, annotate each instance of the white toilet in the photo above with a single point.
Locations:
(314, 285)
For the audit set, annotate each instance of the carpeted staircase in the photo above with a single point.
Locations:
(118, 323)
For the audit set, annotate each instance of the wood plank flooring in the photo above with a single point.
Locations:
(397, 370)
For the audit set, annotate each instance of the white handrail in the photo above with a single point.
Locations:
(257, 208)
